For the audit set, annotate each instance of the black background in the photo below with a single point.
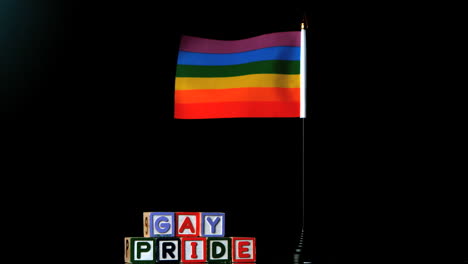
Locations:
(91, 142)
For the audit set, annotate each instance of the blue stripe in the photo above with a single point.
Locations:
(211, 59)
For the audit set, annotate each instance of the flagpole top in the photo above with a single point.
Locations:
(304, 24)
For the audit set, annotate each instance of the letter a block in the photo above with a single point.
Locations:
(219, 250)
(193, 249)
(140, 250)
(158, 224)
(243, 249)
(188, 224)
(168, 250)
(212, 224)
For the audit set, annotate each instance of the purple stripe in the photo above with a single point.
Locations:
(203, 45)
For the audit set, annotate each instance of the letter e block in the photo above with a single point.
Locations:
(244, 249)
(188, 224)
(193, 249)
(158, 224)
(168, 250)
(140, 250)
(219, 250)
(212, 224)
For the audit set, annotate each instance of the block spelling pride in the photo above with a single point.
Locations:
(253, 77)
(187, 237)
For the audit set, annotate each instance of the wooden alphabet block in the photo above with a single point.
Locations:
(243, 249)
(188, 224)
(168, 250)
(158, 224)
(212, 224)
(187, 237)
(193, 249)
(140, 250)
(219, 250)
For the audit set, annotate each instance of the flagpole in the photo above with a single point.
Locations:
(303, 85)
(303, 69)
(299, 252)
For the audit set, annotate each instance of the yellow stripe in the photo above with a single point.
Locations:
(252, 80)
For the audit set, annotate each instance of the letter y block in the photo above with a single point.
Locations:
(212, 224)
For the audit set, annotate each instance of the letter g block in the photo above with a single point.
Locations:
(158, 224)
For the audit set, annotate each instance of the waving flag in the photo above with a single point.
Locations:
(253, 77)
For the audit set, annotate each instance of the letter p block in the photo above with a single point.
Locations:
(140, 250)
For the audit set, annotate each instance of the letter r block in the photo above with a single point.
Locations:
(168, 250)
(158, 224)
(140, 250)
(212, 224)
(244, 249)
(219, 250)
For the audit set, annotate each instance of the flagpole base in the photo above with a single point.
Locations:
(299, 255)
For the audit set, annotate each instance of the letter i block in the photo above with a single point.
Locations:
(188, 224)
(168, 250)
(193, 249)
(140, 250)
(244, 249)
(158, 224)
(219, 250)
(212, 224)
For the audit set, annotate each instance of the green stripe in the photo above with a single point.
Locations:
(271, 66)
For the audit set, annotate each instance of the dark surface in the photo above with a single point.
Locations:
(90, 135)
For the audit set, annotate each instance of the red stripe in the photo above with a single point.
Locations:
(236, 109)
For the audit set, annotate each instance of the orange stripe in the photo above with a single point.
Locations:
(236, 109)
(250, 94)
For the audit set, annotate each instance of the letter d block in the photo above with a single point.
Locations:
(140, 250)
(158, 224)
(219, 250)
(244, 249)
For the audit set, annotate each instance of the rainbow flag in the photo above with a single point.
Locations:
(253, 77)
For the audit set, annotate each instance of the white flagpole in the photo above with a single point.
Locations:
(299, 252)
(303, 72)
(303, 84)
